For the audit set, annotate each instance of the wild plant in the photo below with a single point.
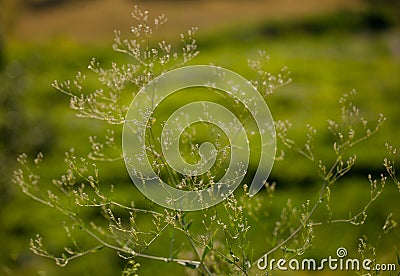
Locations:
(213, 241)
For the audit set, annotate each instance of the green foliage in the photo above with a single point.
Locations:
(383, 13)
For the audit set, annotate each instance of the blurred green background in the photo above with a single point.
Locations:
(329, 46)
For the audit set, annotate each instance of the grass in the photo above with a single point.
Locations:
(323, 67)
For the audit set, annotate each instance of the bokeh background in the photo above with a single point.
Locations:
(330, 47)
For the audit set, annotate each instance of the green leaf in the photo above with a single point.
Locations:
(188, 225)
(208, 246)
(183, 215)
(207, 249)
